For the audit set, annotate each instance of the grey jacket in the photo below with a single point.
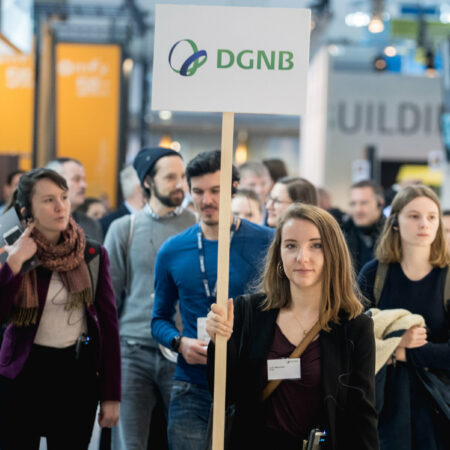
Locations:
(132, 267)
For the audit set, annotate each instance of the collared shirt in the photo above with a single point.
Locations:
(176, 212)
(130, 208)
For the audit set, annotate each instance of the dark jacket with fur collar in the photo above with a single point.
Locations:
(347, 376)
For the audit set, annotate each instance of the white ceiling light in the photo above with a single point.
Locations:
(376, 25)
(445, 14)
(390, 51)
(333, 50)
(165, 115)
(357, 19)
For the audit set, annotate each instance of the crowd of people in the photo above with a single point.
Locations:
(337, 322)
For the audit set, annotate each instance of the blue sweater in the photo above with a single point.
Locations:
(178, 277)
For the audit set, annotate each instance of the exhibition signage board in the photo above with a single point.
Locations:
(16, 104)
(244, 60)
(87, 108)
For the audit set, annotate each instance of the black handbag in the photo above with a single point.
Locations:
(437, 384)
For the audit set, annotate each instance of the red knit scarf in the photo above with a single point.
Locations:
(67, 258)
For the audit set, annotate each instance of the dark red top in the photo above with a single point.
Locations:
(294, 407)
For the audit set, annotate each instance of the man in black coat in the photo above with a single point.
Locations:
(365, 222)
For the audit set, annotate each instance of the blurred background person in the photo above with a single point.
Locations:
(256, 177)
(93, 208)
(277, 169)
(132, 194)
(286, 191)
(325, 201)
(446, 223)
(73, 171)
(365, 222)
(12, 181)
(246, 204)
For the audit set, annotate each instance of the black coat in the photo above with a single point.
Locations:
(107, 220)
(347, 377)
(91, 227)
(359, 251)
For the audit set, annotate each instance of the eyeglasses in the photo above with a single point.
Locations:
(277, 201)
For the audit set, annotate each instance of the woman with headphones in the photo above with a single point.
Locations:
(412, 250)
(60, 352)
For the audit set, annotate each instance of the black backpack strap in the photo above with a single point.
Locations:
(92, 254)
(380, 278)
(447, 290)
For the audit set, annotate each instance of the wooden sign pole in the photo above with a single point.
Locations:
(223, 267)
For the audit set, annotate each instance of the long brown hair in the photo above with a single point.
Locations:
(339, 289)
(389, 249)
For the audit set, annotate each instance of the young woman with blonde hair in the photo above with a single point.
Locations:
(308, 280)
(413, 248)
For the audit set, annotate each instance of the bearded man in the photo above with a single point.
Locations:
(132, 243)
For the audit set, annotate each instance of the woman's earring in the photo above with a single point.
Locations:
(280, 270)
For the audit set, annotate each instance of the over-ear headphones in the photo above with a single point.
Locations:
(395, 224)
(26, 215)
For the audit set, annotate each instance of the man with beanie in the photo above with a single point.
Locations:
(132, 243)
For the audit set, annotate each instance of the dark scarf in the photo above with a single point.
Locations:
(67, 258)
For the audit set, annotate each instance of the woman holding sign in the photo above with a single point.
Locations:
(60, 351)
(309, 307)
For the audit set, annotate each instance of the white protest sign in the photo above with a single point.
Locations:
(237, 59)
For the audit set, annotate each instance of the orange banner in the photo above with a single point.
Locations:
(16, 105)
(88, 111)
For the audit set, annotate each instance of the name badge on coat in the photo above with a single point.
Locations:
(283, 369)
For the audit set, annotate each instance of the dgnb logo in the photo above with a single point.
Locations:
(192, 63)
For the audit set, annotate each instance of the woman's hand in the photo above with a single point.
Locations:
(21, 251)
(108, 416)
(414, 337)
(217, 323)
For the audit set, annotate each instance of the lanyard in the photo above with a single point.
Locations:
(201, 257)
